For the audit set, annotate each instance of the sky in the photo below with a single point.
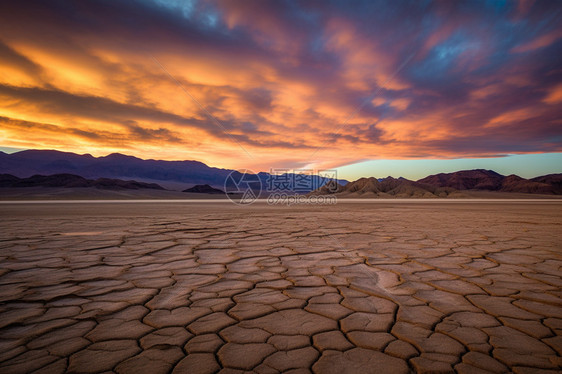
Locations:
(372, 88)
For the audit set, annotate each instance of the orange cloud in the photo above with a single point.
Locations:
(275, 80)
(554, 96)
(511, 117)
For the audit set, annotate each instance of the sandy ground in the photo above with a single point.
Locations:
(91, 193)
(203, 287)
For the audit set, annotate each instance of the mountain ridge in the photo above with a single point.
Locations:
(190, 173)
(72, 181)
(385, 188)
(177, 175)
(444, 185)
(482, 179)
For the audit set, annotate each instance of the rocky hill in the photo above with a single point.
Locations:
(387, 187)
(554, 180)
(456, 184)
(489, 180)
(204, 188)
(72, 181)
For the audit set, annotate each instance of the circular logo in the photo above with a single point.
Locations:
(242, 186)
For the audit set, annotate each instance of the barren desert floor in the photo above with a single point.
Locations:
(356, 287)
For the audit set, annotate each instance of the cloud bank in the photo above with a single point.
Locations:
(309, 83)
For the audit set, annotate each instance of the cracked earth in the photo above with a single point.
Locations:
(212, 287)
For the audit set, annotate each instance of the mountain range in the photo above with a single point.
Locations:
(386, 187)
(64, 169)
(445, 185)
(174, 175)
(480, 179)
(73, 181)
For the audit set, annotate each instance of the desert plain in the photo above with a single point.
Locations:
(374, 286)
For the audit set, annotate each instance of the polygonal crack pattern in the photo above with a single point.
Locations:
(413, 289)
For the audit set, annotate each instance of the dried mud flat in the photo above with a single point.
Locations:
(468, 287)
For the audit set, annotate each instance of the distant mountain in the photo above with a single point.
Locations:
(31, 162)
(444, 185)
(466, 180)
(204, 188)
(555, 180)
(387, 187)
(71, 181)
(489, 180)
(514, 183)
(179, 174)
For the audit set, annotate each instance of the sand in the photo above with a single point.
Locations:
(203, 287)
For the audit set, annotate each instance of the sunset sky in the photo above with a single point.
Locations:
(288, 84)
